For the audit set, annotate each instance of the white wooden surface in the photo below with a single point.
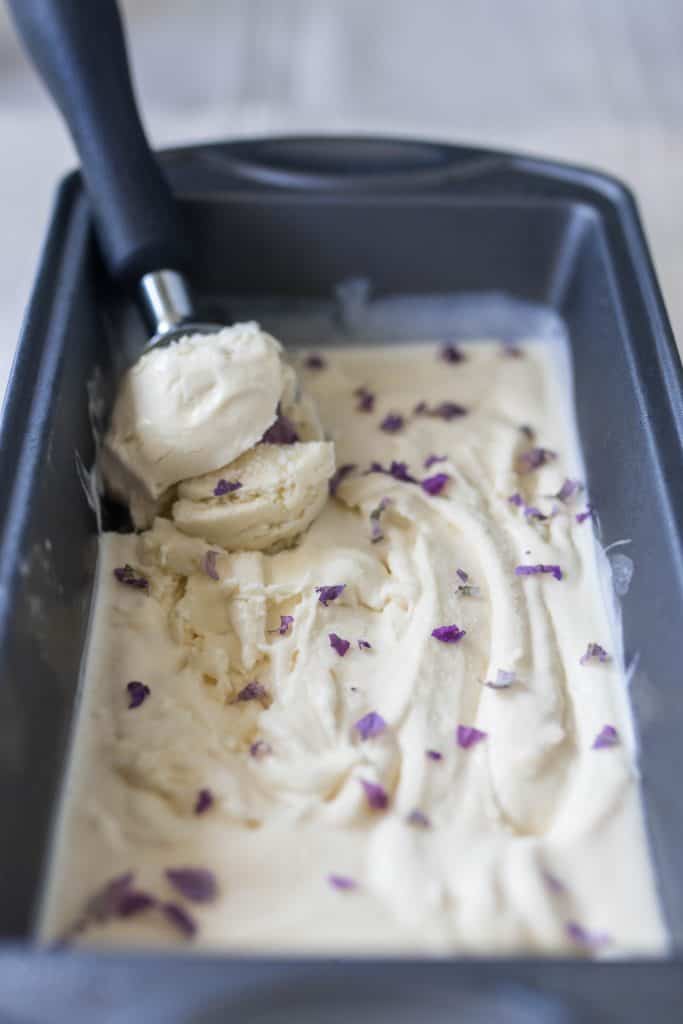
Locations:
(594, 81)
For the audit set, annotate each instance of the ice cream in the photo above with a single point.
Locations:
(408, 733)
(193, 407)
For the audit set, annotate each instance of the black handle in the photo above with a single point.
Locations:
(78, 47)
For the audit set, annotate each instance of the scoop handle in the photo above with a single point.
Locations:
(78, 47)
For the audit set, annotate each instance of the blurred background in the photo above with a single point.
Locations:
(591, 81)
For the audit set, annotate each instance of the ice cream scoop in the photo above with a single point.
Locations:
(80, 52)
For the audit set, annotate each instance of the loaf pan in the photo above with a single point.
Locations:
(292, 217)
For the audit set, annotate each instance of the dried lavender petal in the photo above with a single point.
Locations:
(528, 431)
(553, 883)
(342, 882)
(338, 644)
(462, 575)
(534, 458)
(531, 512)
(138, 692)
(285, 622)
(314, 362)
(397, 470)
(376, 532)
(534, 570)
(252, 691)
(448, 634)
(583, 516)
(443, 411)
(282, 431)
(340, 475)
(204, 801)
(587, 940)
(432, 460)
(502, 681)
(260, 749)
(226, 487)
(517, 500)
(418, 819)
(468, 735)
(327, 594)
(392, 423)
(376, 795)
(104, 903)
(209, 564)
(607, 737)
(434, 755)
(366, 400)
(568, 490)
(180, 918)
(434, 485)
(364, 645)
(135, 901)
(198, 885)
(370, 725)
(131, 577)
(451, 354)
(594, 652)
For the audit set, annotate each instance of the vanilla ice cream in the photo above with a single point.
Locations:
(409, 733)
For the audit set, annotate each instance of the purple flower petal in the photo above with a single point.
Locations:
(583, 516)
(366, 400)
(226, 487)
(195, 884)
(434, 755)
(180, 918)
(376, 795)
(587, 940)
(534, 458)
(462, 575)
(252, 691)
(397, 470)
(432, 460)
(448, 634)
(260, 749)
(594, 652)
(282, 431)
(327, 594)
(451, 354)
(138, 692)
(534, 570)
(607, 737)
(209, 564)
(130, 577)
(468, 735)
(370, 725)
(419, 819)
(314, 362)
(135, 901)
(105, 902)
(528, 431)
(531, 512)
(338, 644)
(568, 490)
(553, 883)
(364, 645)
(204, 801)
(342, 882)
(434, 485)
(340, 475)
(285, 622)
(392, 423)
(503, 680)
(517, 500)
(376, 532)
(443, 411)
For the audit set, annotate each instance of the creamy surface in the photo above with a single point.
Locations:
(528, 840)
